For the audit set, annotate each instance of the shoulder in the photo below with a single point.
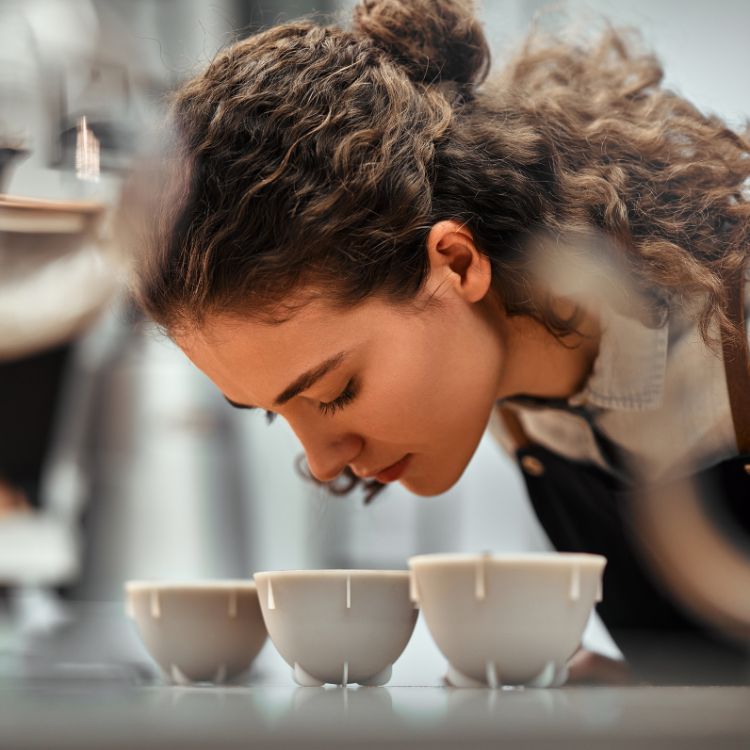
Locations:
(691, 426)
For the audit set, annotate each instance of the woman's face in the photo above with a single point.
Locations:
(420, 384)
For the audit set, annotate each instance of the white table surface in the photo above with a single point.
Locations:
(82, 694)
(63, 713)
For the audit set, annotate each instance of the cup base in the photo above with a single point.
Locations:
(175, 676)
(551, 676)
(304, 679)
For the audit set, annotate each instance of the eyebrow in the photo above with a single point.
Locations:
(302, 383)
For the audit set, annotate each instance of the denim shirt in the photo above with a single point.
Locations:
(658, 395)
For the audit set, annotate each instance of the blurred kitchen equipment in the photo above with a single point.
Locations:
(88, 153)
(22, 215)
(57, 278)
(57, 275)
(8, 155)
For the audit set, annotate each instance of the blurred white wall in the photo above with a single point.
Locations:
(702, 44)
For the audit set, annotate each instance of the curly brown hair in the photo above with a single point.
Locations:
(313, 160)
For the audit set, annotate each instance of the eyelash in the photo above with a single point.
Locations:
(339, 403)
(331, 407)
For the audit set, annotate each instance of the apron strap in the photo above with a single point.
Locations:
(737, 362)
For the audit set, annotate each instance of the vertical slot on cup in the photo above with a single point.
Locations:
(575, 584)
(413, 592)
(479, 579)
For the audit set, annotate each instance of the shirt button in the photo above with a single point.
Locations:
(533, 466)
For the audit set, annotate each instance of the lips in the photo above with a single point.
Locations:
(394, 471)
(388, 474)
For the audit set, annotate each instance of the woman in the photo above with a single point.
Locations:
(367, 238)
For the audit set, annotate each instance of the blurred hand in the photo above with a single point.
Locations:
(589, 668)
(12, 500)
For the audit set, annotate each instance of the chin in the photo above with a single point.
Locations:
(430, 486)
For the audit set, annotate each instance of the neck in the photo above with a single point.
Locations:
(539, 364)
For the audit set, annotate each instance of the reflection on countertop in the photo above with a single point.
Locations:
(87, 714)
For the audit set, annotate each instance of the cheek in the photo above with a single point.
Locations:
(409, 398)
(395, 402)
(390, 409)
(429, 385)
(456, 388)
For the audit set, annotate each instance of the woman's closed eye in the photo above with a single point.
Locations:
(346, 397)
(330, 407)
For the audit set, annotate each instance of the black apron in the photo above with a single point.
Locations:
(583, 508)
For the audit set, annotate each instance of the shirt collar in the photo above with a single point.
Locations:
(629, 371)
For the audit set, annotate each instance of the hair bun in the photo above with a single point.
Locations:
(434, 40)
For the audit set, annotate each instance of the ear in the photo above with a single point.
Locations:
(455, 259)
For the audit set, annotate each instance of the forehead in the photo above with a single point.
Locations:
(251, 361)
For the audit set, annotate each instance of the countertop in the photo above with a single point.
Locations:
(86, 714)
(88, 696)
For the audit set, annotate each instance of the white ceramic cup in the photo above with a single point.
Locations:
(338, 626)
(207, 631)
(507, 619)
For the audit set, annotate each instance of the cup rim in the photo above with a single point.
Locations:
(222, 584)
(332, 573)
(510, 559)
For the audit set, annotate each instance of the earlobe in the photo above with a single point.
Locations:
(453, 255)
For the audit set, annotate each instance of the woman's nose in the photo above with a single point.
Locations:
(328, 454)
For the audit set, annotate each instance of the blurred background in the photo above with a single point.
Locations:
(118, 460)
